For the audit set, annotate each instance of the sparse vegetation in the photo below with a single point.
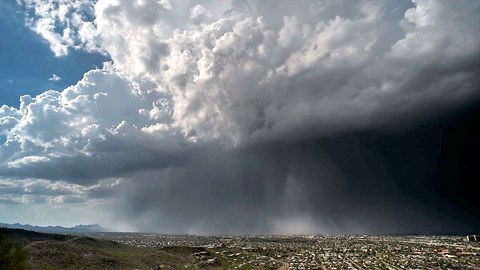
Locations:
(22, 249)
(12, 255)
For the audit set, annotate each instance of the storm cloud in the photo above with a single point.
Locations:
(362, 182)
(255, 116)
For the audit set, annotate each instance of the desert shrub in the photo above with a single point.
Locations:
(12, 256)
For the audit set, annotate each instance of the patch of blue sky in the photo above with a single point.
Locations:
(27, 63)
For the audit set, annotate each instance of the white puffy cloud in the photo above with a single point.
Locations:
(9, 118)
(98, 122)
(55, 78)
(64, 24)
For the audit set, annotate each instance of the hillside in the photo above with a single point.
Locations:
(56, 229)
(54, 251)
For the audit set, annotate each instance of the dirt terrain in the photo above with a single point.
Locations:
(53, 251)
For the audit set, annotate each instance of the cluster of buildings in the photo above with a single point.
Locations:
(472, 238)
(324, 252)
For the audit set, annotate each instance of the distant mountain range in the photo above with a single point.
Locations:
(57, 229)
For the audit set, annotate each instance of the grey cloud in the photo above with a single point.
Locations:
(8, 201)
(106, 188)
(34, 191)
(11, 187)
(83, 169)
(71, 199)
(37, 187)
(337, 185)
(23, 199)
(261, 74)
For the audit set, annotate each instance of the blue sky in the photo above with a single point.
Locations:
(27, 62)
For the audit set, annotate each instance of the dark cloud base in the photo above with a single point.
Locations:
(458, 163)
(416, 181)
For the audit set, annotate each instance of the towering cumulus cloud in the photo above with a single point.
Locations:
(249, 116)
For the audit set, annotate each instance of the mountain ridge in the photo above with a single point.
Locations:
(57, 229)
